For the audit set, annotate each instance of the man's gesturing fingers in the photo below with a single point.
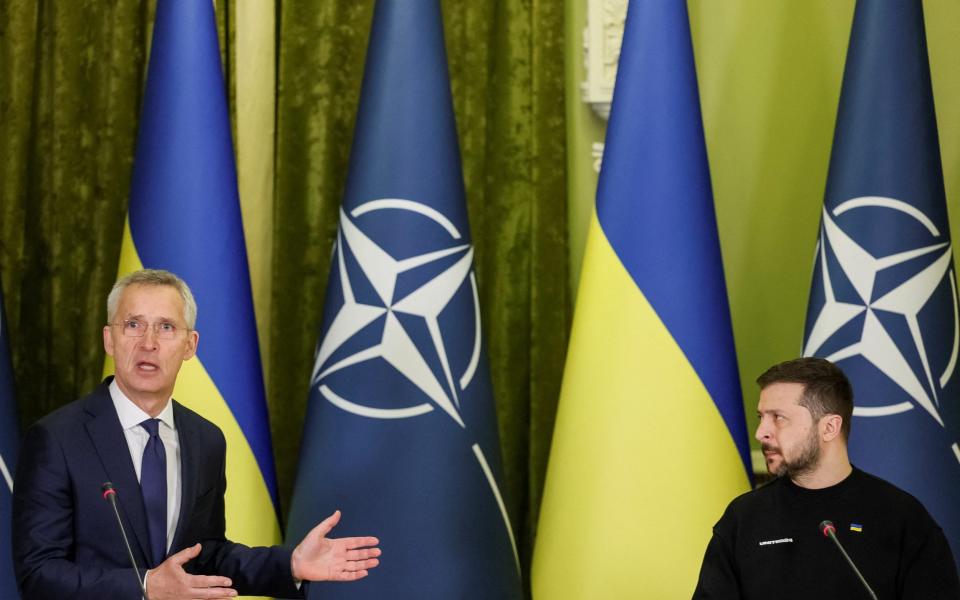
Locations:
(319, 558)
(184, 556)
(326, 525)
(350, 575)
(352, 543)
(210, 592)
(208, 581)
(362, 555)
(169, 581)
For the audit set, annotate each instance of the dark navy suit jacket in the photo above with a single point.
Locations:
(66, 542)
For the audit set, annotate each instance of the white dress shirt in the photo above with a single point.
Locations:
(137, 437)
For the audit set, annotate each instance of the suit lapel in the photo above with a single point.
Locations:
(189, 472)
(107, 435)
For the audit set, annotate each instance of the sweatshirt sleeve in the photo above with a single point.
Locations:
(928, 570)
(718, 575)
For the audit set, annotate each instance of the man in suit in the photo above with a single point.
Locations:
(168, 466)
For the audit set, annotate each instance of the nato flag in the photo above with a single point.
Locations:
(9, 441)
(401, 432)
(884, 299)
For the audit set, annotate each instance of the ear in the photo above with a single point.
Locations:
(193, 340)
(108, 340)
(831, 427)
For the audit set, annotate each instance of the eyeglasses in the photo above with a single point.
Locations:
(164, 330)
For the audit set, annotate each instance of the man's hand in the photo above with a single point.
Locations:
(318, 558)
(170, 581)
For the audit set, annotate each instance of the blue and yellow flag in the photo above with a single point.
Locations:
(401, 432)
(883, 304)
(650, 440)
(9, 444)
(184, 216)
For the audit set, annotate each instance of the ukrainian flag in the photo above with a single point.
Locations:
(650, 441)
(184, 216)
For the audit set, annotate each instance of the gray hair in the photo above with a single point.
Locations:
(156, 277)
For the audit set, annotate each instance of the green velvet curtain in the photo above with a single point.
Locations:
(71, 78)
(70, 92)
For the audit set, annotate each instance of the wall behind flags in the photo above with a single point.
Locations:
(71, 76)
(769, 76)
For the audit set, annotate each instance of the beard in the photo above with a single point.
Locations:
(805, 462)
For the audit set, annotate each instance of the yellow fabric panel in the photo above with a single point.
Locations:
(129, 262)
(642, 464)
(255, 49)
(251, 518)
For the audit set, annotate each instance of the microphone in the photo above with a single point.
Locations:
(828, 530)
(110, 495)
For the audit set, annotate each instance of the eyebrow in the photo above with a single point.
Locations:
(140, 317)
(760, 413)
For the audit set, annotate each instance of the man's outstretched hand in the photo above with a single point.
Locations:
(170, 581)
(319, 558)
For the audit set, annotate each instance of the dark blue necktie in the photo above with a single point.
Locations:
(153, 485)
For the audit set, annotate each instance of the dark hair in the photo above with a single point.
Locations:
(826, 390)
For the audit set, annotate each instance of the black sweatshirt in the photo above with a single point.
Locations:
(768, 544)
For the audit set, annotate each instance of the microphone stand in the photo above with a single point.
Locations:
(828, 530)
(110, 495)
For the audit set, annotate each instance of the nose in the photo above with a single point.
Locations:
(763, 432)
(150, 338)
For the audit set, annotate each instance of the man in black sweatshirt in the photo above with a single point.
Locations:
(769, 544)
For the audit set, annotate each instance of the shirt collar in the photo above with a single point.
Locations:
(132, 415)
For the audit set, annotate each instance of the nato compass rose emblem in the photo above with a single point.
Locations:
(393, 304)
(873, 307)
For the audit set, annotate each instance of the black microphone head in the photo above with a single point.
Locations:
(826, 527)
